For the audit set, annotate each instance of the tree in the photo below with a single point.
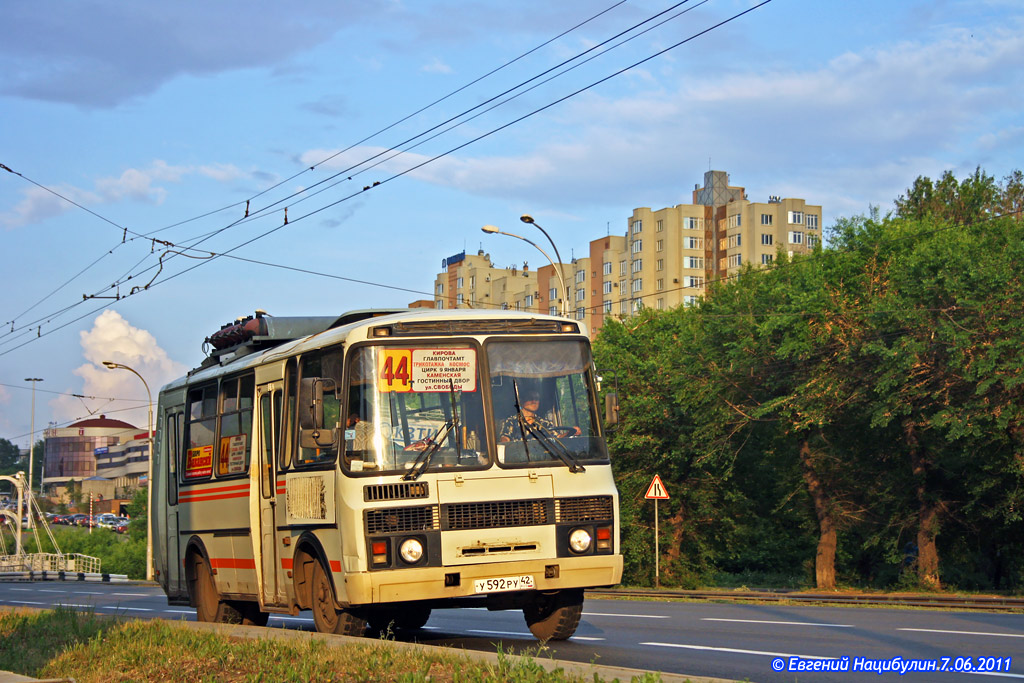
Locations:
(8, 457)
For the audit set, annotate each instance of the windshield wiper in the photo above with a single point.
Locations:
(553, 447)
(422, 460)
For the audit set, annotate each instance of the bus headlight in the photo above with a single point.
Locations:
(411, 550)
(579, 540)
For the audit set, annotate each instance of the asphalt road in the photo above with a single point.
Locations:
(698, 639)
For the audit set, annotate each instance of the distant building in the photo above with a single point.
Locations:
(71, 452)
(666, 258)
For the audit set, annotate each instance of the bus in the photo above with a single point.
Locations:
(377, 465)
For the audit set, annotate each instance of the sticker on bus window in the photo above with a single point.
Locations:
(199, 462)
(427, 370)
(232, 455)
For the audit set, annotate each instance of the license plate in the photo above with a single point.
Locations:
(504, 583)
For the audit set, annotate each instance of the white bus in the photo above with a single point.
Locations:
(375, 466)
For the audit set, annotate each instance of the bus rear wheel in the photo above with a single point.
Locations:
(554, 616)
(209, 606)
(326, 616)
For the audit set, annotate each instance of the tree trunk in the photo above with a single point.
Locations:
(825, 560)
(927, 513)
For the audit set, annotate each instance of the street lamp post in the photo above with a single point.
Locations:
(110, 365)
(491, 230)
(32, 443)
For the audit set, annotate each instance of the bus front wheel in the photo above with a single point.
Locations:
(326, 616)
(554, 616)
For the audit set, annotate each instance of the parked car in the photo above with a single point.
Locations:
(106, 520)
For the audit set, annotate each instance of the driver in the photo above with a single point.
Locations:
(529, 405)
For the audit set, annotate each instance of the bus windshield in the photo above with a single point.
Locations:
(414, 408)
(542, 403)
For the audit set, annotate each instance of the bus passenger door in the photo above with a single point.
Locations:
(263, 496)
(175, 571)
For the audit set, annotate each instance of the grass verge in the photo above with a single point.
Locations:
(65, 643)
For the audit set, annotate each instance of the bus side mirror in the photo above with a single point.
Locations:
(311, 414)
(311, 402)
(611, 408)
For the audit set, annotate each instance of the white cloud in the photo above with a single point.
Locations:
(113, 338)
(142, 185)
(436, 66)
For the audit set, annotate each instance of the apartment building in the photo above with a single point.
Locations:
(473, 281)
(666, 258)
(673, 253)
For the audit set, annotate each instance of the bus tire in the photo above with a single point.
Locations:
(413, 618)
(209, 606)
(554, 616)
(327, 617)
(382, 621)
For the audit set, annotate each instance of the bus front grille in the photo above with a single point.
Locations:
(496, 514)
(584, 509)
(400, 491)
(400, 520)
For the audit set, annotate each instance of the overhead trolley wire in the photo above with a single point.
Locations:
(452, 150)
(126, 231)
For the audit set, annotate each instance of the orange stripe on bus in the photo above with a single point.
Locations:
(218, 489)
(286, 563)
(231, 563)
(196, 498)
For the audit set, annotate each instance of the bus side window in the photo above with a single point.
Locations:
(197, 453)
(235, 426)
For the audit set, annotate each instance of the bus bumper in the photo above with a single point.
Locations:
(434, 583)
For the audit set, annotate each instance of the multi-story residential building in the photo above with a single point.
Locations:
(665, 259)
(472, 281)
(673, 253)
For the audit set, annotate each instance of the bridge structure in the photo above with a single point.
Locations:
(20, 564)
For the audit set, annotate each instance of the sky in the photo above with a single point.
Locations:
(133, 136)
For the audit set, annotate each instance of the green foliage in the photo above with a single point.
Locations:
(119, 553)
(860, 401)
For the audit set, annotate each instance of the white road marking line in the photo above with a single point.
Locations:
(735, 650)
(782, 623)
(632, 616)
(503, 633)
(127, 609)
(73, 604)
(179, 611)
(88, 593)
(787, 655)
(24, 590)
(306, 619)
(133, 595)
(586, 638)
(964, 633)
(25, 602)
(50, 590)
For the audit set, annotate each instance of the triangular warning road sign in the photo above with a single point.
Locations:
(656, 491)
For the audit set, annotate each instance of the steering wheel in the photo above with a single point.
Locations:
(562, 431)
